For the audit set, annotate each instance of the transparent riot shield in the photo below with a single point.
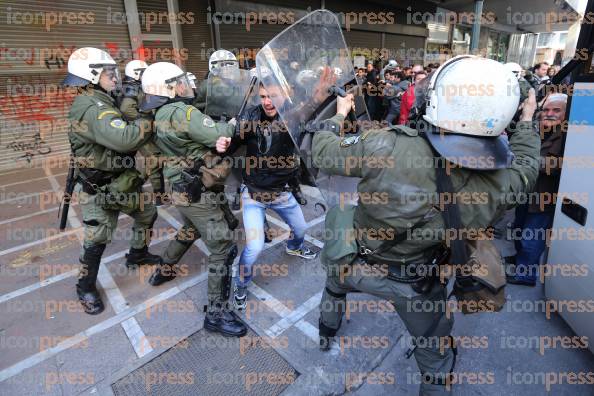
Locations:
(299, 68)
(225, 92)
(234, 180)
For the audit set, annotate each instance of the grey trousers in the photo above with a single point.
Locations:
(412, 309)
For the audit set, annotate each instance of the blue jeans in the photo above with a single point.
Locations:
(531, 242)
(253, 222)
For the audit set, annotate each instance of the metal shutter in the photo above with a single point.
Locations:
(405, 49)
(196, 37)
(33, 106)
(152, 15)
(362, 39)
(235, 35)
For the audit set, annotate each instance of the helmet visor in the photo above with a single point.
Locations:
(226, 68)
(110, 78)
(182, 86)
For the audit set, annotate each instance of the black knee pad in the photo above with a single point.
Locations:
(94, 252)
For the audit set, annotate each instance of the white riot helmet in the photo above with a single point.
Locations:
(163, 81)
(220, 59)
(135, 68)
(514, 68)
(469, 101)
(392, 64)
(85, 66)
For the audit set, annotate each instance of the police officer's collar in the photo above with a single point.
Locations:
(99, 93)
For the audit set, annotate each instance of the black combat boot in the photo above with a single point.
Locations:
(326, 336)
(163, 273)
(224, 321)
(166, 271)
(141, 256)
(85, 288)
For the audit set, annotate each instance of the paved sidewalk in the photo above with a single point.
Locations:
(49, 347)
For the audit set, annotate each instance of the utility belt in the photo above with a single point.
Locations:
(422, 276)
(207, 174)
(192, 186)
(121, 191)
(93, 179)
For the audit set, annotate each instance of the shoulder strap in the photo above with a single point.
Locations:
(451, 216)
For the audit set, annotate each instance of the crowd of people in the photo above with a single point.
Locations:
(389, 91)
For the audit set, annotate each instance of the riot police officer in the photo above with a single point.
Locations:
(461, 128)
(187, 137)
(103, 146)
(218, 60)
(131, 97)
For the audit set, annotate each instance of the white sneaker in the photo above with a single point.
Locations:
(303, 253)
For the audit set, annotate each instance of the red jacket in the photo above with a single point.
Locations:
(408, 100)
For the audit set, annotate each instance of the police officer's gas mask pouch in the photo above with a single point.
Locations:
(150, 102)
(471, 152)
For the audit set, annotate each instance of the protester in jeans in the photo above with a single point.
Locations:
(533, 220)
(267, 185)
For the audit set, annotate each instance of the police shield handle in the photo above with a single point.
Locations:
(529, 106)
(345, 105)
(222, 144)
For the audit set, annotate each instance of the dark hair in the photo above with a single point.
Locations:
(406, 68)
(539, 65)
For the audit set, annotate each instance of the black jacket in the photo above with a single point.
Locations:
(271, 159)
